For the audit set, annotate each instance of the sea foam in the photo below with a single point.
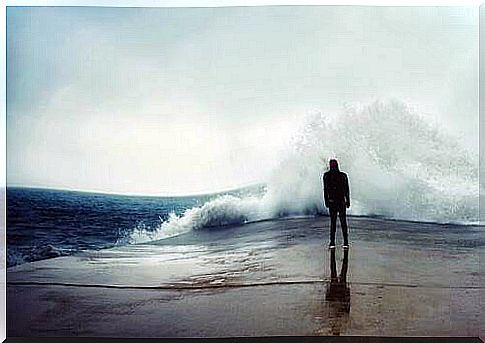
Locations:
(400, 166)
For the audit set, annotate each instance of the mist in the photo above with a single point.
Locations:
(193, 100)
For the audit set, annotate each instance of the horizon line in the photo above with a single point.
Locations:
(167, 195)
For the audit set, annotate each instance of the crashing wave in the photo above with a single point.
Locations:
(399, 165)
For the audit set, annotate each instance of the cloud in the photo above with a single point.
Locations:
(192, 100)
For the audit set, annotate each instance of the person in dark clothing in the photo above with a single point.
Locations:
(337, 199)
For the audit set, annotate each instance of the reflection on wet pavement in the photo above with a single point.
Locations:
(337, 295)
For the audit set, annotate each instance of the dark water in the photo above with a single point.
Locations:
(49, 223)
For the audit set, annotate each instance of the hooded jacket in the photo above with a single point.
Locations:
(336, 188)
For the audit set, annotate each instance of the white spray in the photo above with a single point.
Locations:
(399, 167)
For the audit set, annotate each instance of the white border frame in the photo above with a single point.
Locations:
(146, 3)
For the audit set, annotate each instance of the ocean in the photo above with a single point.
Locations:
(45, 223)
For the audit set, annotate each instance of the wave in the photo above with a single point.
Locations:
(224, 210)
(16, 257)
(400, 166)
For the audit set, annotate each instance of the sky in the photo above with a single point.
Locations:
(193, 100)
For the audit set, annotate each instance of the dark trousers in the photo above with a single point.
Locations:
(340, 211)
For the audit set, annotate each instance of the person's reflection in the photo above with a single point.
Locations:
(338, 293)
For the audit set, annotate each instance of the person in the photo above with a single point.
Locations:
(337, 199)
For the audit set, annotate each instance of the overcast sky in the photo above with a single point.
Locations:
(176, 101)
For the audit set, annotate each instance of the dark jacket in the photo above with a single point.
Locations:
(336, 188)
